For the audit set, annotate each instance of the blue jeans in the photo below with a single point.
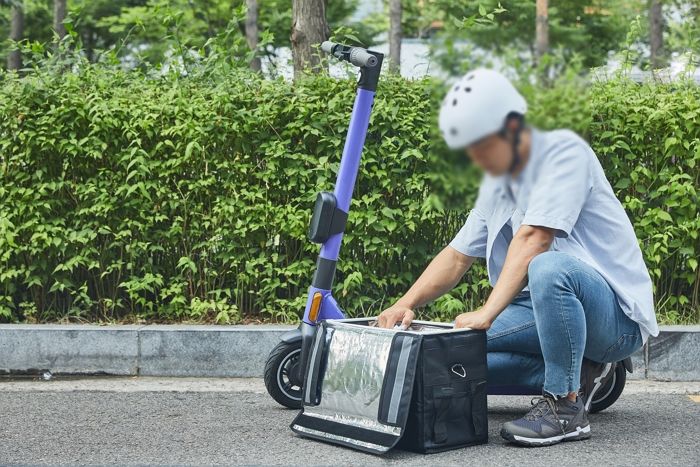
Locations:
(540, 339)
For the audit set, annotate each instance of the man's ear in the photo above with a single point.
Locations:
(512, 125)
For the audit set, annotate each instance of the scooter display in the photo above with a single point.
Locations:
(284, 370)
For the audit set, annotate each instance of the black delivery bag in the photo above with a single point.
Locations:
(423, 389)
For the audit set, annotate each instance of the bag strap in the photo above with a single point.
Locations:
(312, 393)
(441, 401)
(397, 386)
(478, 407)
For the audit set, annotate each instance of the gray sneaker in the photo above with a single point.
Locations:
(548, 422)
(594, 375)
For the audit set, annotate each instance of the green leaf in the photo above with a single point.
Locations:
(190, 147)
(622, 183)
(664, 216)
(669, 142)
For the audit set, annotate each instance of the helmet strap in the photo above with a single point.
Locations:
(515, 160)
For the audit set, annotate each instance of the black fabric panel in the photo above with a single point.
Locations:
(435, 449)
(443, 350)
(418, 414)
(448, 409)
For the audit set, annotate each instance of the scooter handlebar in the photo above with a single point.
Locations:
(356, 55)
(360, 57)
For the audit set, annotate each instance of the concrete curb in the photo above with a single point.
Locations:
(151, 350)
(237, 351)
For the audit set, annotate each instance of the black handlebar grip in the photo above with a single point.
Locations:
(355, 55)
(360, 57)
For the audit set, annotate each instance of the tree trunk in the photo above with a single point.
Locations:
(251, 31)
(656, 34)
(309, 29)
(541, 30)
(59, 14)
(395, 34)
(14, 58)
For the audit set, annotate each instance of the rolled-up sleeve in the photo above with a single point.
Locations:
(561, 190)
(471, 238)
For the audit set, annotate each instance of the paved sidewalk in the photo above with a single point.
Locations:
(233, 421)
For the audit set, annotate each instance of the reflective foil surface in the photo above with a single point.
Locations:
(352, 382)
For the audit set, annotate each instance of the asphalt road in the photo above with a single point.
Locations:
(155, 421)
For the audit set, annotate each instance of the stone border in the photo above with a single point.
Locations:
(130, 350)
(237, 351)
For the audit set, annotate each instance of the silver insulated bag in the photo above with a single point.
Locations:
(423, 389)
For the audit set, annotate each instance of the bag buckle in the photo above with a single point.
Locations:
(459, 370)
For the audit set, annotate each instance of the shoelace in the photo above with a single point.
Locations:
(540, 408)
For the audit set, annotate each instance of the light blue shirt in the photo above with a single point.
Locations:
(563, 187)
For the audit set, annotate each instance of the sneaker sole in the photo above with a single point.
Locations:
(598, 382)
(581, 433)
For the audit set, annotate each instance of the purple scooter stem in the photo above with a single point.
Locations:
(344, 186)
(350, 164)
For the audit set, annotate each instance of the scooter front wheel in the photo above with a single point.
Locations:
(611, 391)
(282, 374)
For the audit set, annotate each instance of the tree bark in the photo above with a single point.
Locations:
(541, 29)
(14, 58)
(395, 35)
(656, 34)
(309, 29)
(251, 31)
(59, 14)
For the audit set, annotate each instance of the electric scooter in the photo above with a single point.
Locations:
(285, 367)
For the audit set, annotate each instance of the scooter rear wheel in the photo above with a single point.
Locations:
(608, 394)
(282, 374)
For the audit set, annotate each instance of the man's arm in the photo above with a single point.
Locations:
(528, 242)
(441, 275)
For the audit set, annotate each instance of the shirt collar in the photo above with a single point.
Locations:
(524, 176)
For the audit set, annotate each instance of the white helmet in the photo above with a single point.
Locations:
(477, 106)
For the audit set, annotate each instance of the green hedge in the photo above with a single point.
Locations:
(129, 197)
(648, 138)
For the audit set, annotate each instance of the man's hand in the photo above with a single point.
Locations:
(474, 320)
(441, 275)
(394, 314)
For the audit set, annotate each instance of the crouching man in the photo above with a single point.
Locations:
(571, 292)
